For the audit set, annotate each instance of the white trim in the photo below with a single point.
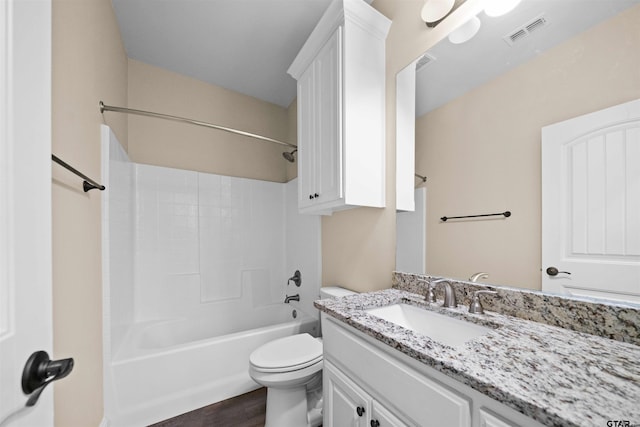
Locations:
(405, 137)
(6, 314)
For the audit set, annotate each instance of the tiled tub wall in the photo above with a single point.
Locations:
(176, 242)
(618, 322)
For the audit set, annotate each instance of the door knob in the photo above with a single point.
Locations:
(40, 371)
(552, 271)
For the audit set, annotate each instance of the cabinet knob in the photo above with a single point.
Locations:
(310, 196)
(374, 423)
(360, 411)
(316, 195)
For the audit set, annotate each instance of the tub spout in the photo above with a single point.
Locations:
(289, 298)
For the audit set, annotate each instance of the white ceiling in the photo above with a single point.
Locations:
(242, 45)
(459, 68)
(247, 45)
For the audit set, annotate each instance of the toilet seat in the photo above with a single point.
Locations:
(287, 354)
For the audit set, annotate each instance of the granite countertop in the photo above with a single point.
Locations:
(556, 376)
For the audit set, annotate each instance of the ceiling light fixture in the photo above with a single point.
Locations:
(499, 7)
(465, 32)
(434, 10)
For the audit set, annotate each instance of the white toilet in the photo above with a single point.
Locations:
(291, 369)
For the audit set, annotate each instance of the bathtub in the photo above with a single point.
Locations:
(169, 367)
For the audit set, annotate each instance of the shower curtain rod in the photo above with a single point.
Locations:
(104, 108)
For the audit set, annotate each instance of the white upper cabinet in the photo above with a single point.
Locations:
(341, 110)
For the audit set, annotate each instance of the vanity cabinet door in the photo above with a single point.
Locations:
(381, 417)
(345, 404)
(488, 419)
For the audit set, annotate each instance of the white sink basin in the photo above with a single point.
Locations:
(441, 328)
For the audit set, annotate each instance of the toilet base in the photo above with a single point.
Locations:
(295, 407)
(286, 407)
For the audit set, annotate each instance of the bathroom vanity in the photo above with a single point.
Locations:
(514, 372)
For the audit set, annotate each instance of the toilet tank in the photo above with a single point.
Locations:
(334, 292)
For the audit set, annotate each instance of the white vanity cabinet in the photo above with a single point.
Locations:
(395, 390)
(341, 110)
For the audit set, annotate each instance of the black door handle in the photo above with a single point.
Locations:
(552, 271)
(360, 411)
(40, 371)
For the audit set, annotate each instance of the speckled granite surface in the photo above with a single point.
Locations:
(618, 321)
(556, 376)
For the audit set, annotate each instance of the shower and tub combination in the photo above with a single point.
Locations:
(195, 275)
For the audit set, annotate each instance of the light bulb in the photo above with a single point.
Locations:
(499, 7)
(465, 31)
(435, 10)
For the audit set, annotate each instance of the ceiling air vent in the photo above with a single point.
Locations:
(424, 61)
(525, 30)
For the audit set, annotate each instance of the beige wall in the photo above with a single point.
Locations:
(481, 151)
(89, 65)
(178, 145)
(358, 245)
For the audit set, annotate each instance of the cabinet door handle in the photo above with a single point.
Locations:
(310, 196)
(316, 195)
(360, 411)
(374, 423)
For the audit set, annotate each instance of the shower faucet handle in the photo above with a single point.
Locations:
(296, 278)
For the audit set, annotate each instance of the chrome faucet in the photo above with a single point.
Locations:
(474, 278)
(288, 298)
(449, 293)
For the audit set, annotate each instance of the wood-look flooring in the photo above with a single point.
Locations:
(247, 410)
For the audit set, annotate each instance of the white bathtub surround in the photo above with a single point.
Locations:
(195, 275)
(117, 242)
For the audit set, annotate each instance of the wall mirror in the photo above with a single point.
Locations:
(480, 108)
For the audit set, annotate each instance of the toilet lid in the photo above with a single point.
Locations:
(288, 353)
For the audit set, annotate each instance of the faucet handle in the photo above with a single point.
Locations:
(429, 296)
(476, 306)
(478, 276)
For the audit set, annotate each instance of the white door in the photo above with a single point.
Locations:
(307, 142)
(345, 404)
(591, 204)
(25, 203)
(329, 133)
